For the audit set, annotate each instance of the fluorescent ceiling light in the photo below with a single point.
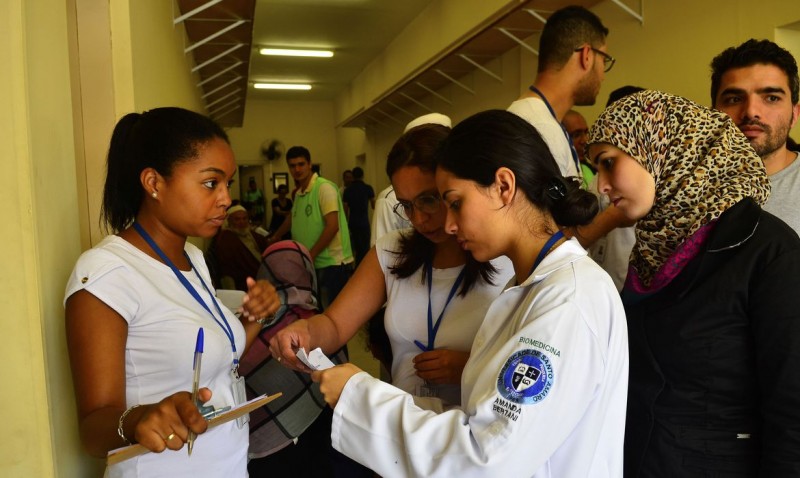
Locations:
(281, 86)
(292, 52)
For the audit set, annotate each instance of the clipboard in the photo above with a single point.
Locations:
(121, 454)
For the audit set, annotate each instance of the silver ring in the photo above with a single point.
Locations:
(278, 359)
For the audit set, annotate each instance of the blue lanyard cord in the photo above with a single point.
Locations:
(572, 150)
(433, 328)
(226, 327)
(547, 246)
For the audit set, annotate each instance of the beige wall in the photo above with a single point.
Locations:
(63, 92)
(161, 71)
(672, 50)
(130, 58)
(440, 25)
(489, 94)
(40, 241)
(294, 123)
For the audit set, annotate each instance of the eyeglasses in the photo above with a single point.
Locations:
(608, 60)
(427, 203)
(578, 133)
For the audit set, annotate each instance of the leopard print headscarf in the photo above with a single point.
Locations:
(701, 162)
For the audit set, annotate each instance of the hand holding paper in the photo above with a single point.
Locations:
(316, 360)
(332, 381)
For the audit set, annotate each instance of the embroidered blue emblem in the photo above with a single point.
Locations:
(526, 377)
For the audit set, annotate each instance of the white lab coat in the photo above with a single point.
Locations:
(567, 320)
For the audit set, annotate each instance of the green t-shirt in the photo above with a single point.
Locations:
(308, 223)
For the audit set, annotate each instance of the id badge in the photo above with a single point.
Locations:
(239, 397)
(426, 389)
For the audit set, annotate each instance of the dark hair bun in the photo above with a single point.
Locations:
(577, 207)
(489, 140)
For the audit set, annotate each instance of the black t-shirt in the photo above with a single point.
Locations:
(277, 219)
(357, 196)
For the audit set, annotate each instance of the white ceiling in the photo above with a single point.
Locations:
(356, 30)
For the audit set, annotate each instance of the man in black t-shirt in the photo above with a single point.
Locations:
(357, 198)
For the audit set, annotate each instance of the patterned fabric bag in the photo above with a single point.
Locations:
(288, 266)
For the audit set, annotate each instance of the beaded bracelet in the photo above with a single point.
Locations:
(120, 432)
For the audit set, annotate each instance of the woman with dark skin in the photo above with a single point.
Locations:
(132, 322)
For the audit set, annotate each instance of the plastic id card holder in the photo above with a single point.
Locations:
(239, 397)
(426, 390)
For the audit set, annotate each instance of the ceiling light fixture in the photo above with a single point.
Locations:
(281, 86)
(293, 52)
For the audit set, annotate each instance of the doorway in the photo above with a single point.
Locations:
(254, 202)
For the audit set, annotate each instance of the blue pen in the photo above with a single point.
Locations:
(198, 359)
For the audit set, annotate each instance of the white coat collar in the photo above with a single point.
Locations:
(562, 256)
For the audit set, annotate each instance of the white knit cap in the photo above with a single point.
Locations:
(236, 208)
(431, 118)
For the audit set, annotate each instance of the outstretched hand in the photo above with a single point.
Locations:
(332, 381)
(260, 301)
(284, 344)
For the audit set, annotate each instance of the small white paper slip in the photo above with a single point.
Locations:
(316, 360)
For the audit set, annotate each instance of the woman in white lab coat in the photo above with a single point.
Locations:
(544, 390)
(435, 293)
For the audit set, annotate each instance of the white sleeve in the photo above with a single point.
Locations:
(104, 276)
(328, 198)
(382, 219)
(379, 426)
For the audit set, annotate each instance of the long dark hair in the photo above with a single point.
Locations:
(482, 143)
(417, 148)
(159, 138)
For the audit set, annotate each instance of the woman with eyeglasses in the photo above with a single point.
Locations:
(436, 293)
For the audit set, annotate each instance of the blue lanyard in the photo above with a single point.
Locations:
(572, 150)
(547, 245)
(434, 328)
(226, 327)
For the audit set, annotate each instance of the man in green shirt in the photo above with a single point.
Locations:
(318, 222)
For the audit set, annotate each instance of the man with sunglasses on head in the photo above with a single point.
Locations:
(572, 63)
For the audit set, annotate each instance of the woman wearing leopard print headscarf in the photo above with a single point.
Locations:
(712, 295)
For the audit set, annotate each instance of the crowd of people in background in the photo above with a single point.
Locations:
(555, 298)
